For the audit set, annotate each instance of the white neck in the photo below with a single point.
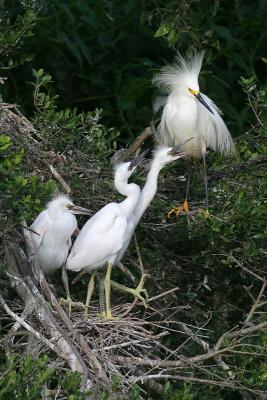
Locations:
(132, 193)
(55, 212)
(149, 190)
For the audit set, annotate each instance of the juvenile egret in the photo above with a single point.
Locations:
(106, 236)
(54, 227)
(102, 238)
(190, 114)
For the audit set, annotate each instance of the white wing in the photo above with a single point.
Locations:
(166, 136)
(42, 223)
(100, 238)
(213, 129)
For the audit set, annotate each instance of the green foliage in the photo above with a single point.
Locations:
(21, 194)
(25, 380)
(17, 23)
(69, 127)
(185, 393)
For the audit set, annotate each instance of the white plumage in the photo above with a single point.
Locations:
(102, 237)
(106, 236)
(54, 227)
(189, 113)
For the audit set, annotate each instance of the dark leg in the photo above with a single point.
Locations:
(185, 206)
(205, 178)
(101, 292)
(107, 291)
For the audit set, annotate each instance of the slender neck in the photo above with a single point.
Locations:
(132, 193)
(55, 212)
(149, 190)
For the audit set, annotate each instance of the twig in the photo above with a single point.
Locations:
(78, 277)
(163, 294)
(127, 272)
(223, 383)
(251, 329)
(147, 133)
(9, 338)
(256, 303)
(247, 270)
(58, 177)
(31, 330)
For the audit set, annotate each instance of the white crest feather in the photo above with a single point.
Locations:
(185, 69)
(189, 113)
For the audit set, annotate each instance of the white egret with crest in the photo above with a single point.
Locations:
(188, 113)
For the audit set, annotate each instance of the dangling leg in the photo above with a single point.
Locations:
(107, 291)
(135, 292)
(90, 290)
(68, 301)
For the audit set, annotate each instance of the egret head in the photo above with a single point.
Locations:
(181, 79)
(125, 170)
(62, 203)
(165, 155)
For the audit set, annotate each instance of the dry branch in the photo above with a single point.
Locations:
(66, 188)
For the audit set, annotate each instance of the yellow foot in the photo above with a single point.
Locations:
(140, 293)
(177, 210)
(185, 206)
(68, 301)
(140, 290)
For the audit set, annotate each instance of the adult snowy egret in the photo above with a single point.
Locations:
(188, 113)
(106, 236)
(54, 227)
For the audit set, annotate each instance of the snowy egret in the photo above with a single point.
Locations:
(106, 236)
(102, 237)
(190, 114)
(51, 235)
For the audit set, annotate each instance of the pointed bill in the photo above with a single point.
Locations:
(137, 160)
(79, 210)
(203, 102)
(175, 151)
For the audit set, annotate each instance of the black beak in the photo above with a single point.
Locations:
(176, 149)
(202, 101)
(137, 160)
(79, 210)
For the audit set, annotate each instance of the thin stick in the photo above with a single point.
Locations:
(31, 330)
(147, 133)
(256, 303)
(163, 294)
(58, 177)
